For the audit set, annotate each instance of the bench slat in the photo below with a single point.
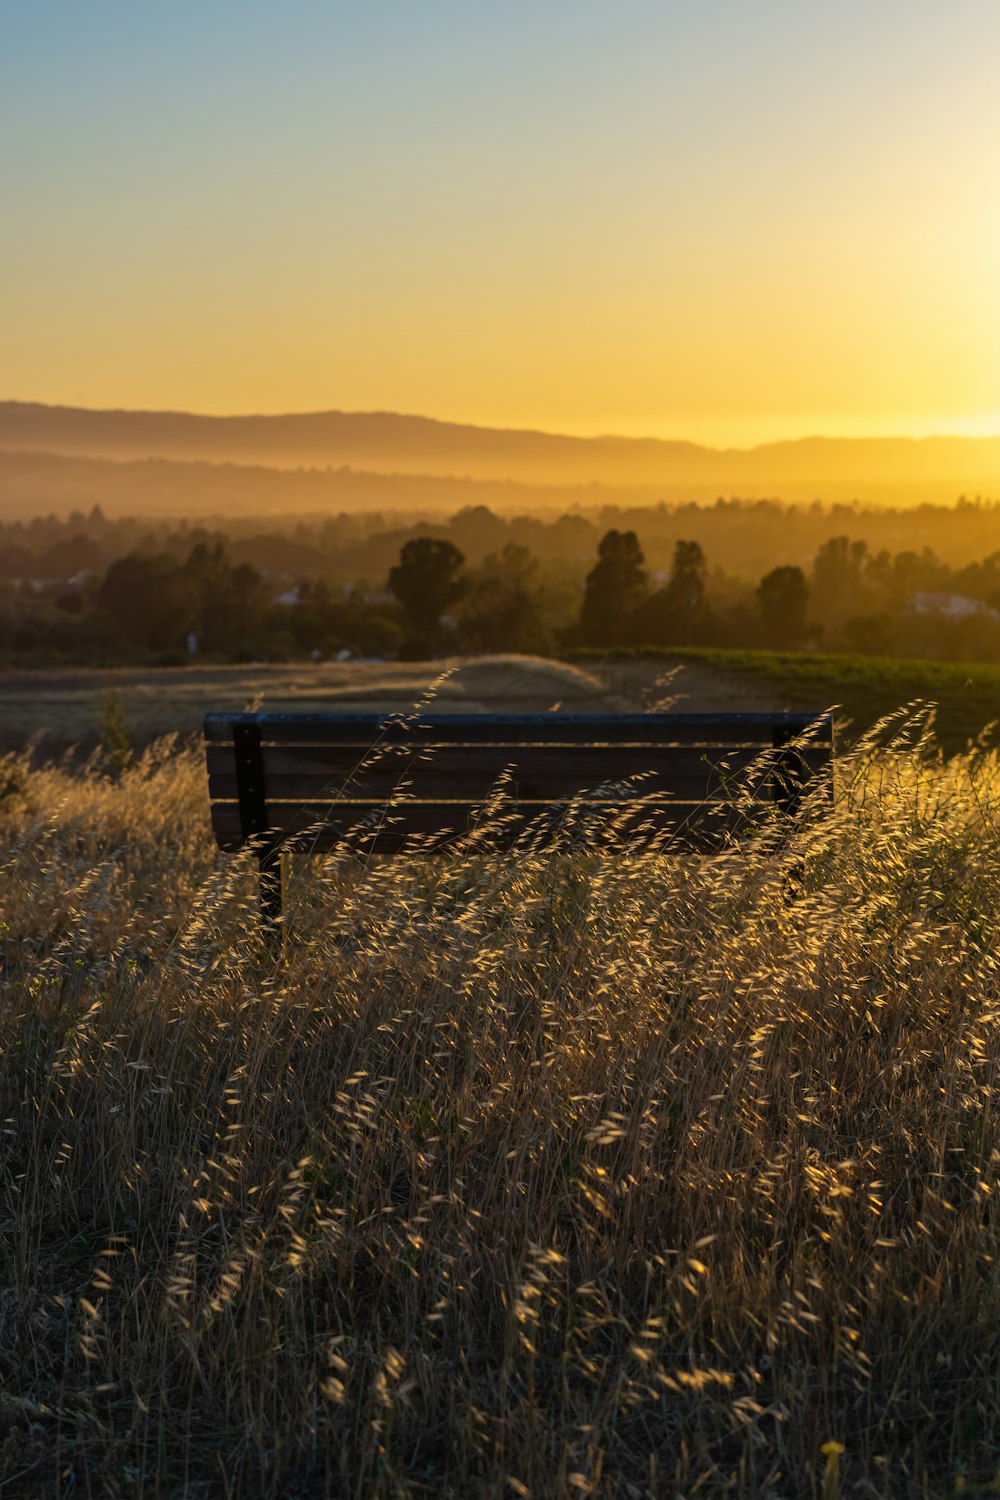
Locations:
(362, 730)
(321, 829)
(337, 762)
(430, 783)
(472, 771)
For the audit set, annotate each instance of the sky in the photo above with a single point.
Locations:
(718, 220)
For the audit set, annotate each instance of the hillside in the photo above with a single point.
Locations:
(44, 483)
(386, 442)
(39, 483)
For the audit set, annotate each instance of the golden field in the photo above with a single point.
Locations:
(558, 1172)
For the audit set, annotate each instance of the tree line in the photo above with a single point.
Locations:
(743, 538)
(163, 604)
(87, 588)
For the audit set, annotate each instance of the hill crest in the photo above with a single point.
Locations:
(389, 442)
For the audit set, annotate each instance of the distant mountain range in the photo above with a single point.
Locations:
(385, 443)
(39, 483)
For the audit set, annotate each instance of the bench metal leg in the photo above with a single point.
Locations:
(789, 781)
(271, 894)
(790, 773)
(254, 823)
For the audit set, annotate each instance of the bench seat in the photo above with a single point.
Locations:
(307, 779)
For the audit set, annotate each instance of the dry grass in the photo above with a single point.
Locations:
(553, 1174)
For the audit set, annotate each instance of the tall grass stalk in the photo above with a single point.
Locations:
(557, 1172)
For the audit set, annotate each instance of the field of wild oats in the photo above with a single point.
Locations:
(554, 1173)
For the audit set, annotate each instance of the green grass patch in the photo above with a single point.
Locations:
(865, 688)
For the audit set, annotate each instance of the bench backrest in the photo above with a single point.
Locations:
(275, 777)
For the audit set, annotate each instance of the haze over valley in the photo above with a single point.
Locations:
(172, 463)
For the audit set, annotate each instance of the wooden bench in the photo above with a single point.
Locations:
(307, 780)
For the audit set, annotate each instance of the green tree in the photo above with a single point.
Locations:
(427, 581)
(686, 588)
(677, 614)
(782, 598)
(839, 582)
(502, 607)
(229, 601)
(616, 586)
(148, 601)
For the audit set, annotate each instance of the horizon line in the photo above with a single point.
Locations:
(807, 436)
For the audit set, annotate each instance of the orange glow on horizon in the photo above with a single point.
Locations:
(727, 225)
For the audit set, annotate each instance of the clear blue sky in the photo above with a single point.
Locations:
(720, 220)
